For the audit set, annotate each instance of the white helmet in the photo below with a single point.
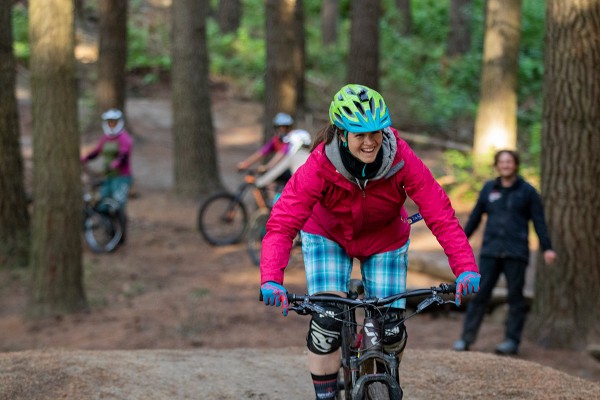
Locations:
(298, 137)
(283, 119)
(112, 115)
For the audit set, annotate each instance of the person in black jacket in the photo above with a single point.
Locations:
(509, 202)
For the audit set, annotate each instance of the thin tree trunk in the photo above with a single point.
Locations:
(300, 54)
(329, 21)
(566, 310)
(195, 150)
(112, 55)
(14, 218)
(56, 255)
(459, 36)
(281, 81)
(405, 11)
(363, 65)
(229, 15)
(496, 122)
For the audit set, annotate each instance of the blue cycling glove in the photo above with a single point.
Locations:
(274, 294)
(466, 283)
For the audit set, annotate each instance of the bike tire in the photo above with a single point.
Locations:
(102, 232)
(377, 391)
(222, 219)
(257, 228)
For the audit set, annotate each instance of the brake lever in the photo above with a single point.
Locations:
(429, 301)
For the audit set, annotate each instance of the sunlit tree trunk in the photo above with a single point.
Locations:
(56, 255)
(405, 11)
(496, 122)
(112, 55)
(459, 35)
(329, 21)
(363, 65)
(566, 310)
(229, 15)
(14, 219)
(281, 81)
(194, 152)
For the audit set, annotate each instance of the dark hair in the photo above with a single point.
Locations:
(512, 153)
(325, 135)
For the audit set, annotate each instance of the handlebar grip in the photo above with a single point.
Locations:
(448, 288)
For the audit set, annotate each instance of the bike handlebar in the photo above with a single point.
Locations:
(443, 288)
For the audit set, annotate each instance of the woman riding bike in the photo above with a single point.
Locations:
(348, 201)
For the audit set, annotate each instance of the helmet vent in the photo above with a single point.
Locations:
(348, 111)
(359, 107)
(362, 95)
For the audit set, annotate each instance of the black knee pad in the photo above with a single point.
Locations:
(395, 331)
(325, 333)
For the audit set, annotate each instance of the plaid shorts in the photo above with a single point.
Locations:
(329, 268)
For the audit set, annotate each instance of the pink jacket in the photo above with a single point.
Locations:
(319, 200)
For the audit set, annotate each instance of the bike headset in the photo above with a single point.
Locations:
(112, 115)
(358, 109)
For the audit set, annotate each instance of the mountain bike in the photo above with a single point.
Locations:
(368, 371)
(223, 217)
(257, 228)
(102, 229)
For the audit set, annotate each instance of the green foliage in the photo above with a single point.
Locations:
(20, 21)
(430, 92)
(465, 180)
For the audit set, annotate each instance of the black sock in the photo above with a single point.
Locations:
(325, 386)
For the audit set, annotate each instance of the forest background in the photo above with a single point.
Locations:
(433, 86)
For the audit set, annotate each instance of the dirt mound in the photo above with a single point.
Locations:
(260, 374)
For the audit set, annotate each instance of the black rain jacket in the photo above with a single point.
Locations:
(509, 210)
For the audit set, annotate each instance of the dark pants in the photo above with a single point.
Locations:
(490, 269)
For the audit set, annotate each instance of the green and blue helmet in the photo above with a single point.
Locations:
(356, 108)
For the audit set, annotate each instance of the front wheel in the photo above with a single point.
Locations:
(222, 219)
(257, 227)
(102, 232)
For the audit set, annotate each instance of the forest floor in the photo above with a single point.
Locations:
(173, 318)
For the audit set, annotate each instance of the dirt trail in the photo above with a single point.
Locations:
(174, 318)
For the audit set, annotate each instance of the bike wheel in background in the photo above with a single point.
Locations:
(257, 227)
(222, 219)
(102, 232)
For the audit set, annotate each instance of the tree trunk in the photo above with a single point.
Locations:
(496, 122)
(566, 310)
(195, 150)
(229, 15)
(56, 255)
(459, 36)
(363, 65)
(281, 81)
(405, 11)
(329, 21)
(14, 218)
(300, 55)
(112, 55)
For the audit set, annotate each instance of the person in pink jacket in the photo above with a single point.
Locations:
(347, 201)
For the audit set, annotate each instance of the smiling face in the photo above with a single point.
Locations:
(506, 165)
(364, 146)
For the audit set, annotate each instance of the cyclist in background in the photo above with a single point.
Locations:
(276, 147)
(115, 146)
(298, 141)
(347, 201)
